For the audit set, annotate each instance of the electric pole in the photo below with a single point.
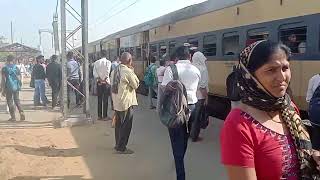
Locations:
(84, 15)
(11, 33)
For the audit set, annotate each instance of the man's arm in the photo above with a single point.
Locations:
(133, 80)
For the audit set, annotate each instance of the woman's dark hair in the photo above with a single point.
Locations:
(162, 63)
(153, 59)
(262, 53)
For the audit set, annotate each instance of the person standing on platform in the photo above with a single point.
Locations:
(54, 77)
(150, 80)
(10, 87)
(22, 69)
(73, 77)
(101, 72)
(124, 85)
(189, 75)
(39, 76)
(160, 73)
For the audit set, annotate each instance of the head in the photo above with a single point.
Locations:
(269, 64)
(153, 59)
(103, 53)
(19, 61)
(70, 55)
(182, 53)
(53, 58)
(173, 57)
(40, 59)
(126, 58)
(162, 63)
(292, 38)
(10, 59)
(198, 59)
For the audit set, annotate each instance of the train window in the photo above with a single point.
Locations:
(162, 50)
(138, 51)
(153, 50)
(131, 50)
(295, 38)
(256, 35)
(194, 43)
(230, 44)
(210, 45)
(172, 45)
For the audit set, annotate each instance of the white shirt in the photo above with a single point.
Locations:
(189, 75)
(160, 73)
(314, 82)
(22, 68)
(101, 69)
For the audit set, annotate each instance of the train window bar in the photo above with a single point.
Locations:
(210, 45)
(230, 44)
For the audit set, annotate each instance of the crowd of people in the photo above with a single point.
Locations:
(263, 129)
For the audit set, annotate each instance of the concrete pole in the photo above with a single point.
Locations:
(84, 15)
(63, 60)
(11, 32)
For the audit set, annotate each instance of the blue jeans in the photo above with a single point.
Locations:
(39, 92)
(179, 142)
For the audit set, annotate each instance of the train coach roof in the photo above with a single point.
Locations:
(185, 13)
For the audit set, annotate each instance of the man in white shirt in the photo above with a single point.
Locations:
(189, 75)
(160, 73)
(101, 72)
(314, 82)
(22, 69)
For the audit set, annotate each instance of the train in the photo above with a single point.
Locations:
(220, 30)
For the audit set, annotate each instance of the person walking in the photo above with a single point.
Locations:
(313, 98)
(189, 75)
(11, 86)
(124, 85)
(199, 61)
(150, 80)
(101, 72)
(54, 76)
(265, 130)
(160, 73)
(73, 77)
(22, 69)
(39, 76)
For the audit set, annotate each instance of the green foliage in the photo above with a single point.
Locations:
(3, 56)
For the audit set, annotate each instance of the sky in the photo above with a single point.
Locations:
(105, 17)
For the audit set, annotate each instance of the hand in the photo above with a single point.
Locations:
(206, 101)
(316, 157)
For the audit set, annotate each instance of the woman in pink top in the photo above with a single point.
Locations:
(263, 138)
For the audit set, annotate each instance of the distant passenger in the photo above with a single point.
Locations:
(150, 79)
(73, 77)
(54, 76)
(10, 87)
(313, 98)
(199, 61)
(160, 74)
(39, 76)
(124, 84)
(22, 69)
(190, 76)
(293, 44)
(265, 130)
(101, 72)
(115, 63)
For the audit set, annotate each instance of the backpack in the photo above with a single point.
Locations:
(232, 88)
(12, 82)
(173, 109)
(149, 76)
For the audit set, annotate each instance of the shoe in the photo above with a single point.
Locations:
(152, 107)
(12, 120)
(127, 151)
(22, 117)
(199, 139)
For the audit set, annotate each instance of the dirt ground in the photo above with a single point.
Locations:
(36, 150)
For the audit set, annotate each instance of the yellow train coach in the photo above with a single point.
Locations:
(221, 29)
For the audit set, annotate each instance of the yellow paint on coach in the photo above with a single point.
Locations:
(251, 12)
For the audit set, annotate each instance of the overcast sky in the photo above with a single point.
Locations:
(28, 16)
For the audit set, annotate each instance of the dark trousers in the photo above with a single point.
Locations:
(103, 91)
(195, 120)
(179, 143)
(13, 97)
(76, 84)
(123, 128)
(315, 137)
(55, 93)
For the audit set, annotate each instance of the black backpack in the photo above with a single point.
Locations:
(173, 103)
(233, 92)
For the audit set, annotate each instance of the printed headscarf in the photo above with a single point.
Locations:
(254, 94)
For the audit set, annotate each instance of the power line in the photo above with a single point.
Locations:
(108, 11)
(127, 7)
